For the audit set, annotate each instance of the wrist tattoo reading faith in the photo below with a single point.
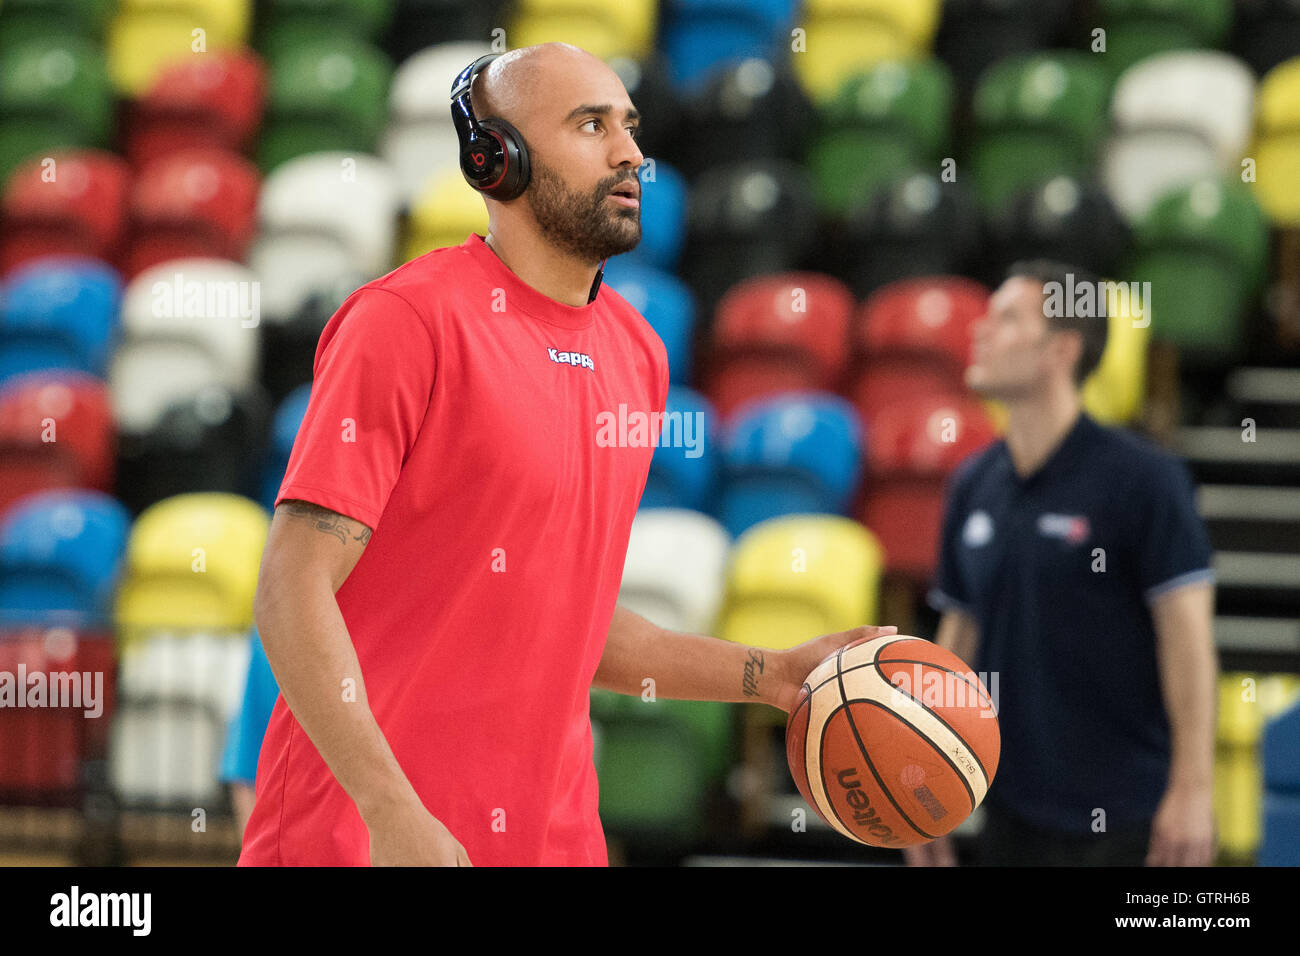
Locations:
(328, 522)
(753, 667)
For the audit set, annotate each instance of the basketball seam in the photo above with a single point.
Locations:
(862, 748)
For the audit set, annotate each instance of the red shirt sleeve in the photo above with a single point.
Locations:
(372, 380)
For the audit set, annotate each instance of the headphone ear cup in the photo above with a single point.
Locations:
(515, 155)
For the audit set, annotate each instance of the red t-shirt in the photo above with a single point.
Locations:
(467, 418)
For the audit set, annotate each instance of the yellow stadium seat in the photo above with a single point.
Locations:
(446, 212)
(1238, 788)
(604, 28)
(1277, 170)
(1277, 101)
(1114, 392)
(147, 35)
(192, 563)
(847, 36)
(1248, 701)
(800, 576)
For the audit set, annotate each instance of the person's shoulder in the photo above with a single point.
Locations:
(1141, 457)
(974, 466)
(425, 278)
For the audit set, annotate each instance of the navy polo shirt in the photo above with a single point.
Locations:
(1058, 569)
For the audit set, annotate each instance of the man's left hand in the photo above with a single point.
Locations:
(1182, 832)
(796, 663)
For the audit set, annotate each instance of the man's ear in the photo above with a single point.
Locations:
(1069, 345)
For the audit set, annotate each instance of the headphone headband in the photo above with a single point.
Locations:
(493, 155)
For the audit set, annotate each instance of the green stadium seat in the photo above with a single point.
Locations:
(286, 22)
(709, 723)
(1037, 116)
(652, 782)
(325, 95)
(54, 93)
(1204, 248)
(23, 20)
(880, 125)
(1137, 29)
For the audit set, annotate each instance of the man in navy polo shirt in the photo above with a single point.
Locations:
(1074, 565)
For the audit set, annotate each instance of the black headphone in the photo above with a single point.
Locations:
(493, 155)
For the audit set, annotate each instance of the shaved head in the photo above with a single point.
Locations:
(579, 125)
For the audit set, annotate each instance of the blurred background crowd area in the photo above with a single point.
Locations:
(191, 187)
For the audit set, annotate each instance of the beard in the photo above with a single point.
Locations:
(584, 225)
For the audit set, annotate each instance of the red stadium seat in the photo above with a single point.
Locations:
(42, 748)
(913, 337)
(199, 203)
(78, 409)
(914, 444)
(215, 100)
(778, 333)
(76, 206)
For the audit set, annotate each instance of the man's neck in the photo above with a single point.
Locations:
(544, 268)
(1037, 426)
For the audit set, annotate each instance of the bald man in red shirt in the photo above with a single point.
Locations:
(438, 591)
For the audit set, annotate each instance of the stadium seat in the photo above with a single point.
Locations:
(420, 140)
(1115, 392)
(847, 36)
(1037, 115)
(663, 217)
(194, 203)
(201, 442)
(800, 576)
(1137, 29)
(1175, 117)
(913, 337)
(778, 333)
(420, 24)
(185, 324)
(71, 408)
(880, 125)
(289, 341)
(915, 443)
(54, 95)
(447, 211)
(648, 85)
(44, 750)
(749, 107)
(60, 556)
(685, 464)
(799, 452)
(729, 236)
(70, 203)
(674, 575)
(1277, 144)
(58, 313)
(915, 226)
(1266, 33)
(1204, 247)
(604, 28)
(287, 21)
(665, 302)
(1063, 218)
(322, 216)
(974, 34)
(23, 20)
(284, 430)
(191, 564)
(211, 102)
(176, 695)
(326, 94)
(148, 36)
(700, 36)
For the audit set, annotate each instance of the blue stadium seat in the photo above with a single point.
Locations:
(667, 304)
(684, 467)
(800, 452)
(284, 429)
(58, 312)
(60, 554)
(699, 35)
(663, 217)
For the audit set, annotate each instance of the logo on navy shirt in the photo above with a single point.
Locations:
(1072, 529)
(580, 359)
(978, 530)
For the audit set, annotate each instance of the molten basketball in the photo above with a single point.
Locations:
(893, 741)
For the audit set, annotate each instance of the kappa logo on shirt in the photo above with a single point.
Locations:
(580, 359)
(1069, 528)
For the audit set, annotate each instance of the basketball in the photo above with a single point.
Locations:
(893, 741)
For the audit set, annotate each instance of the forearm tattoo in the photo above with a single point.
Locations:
(327, 522)
(753, 667)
